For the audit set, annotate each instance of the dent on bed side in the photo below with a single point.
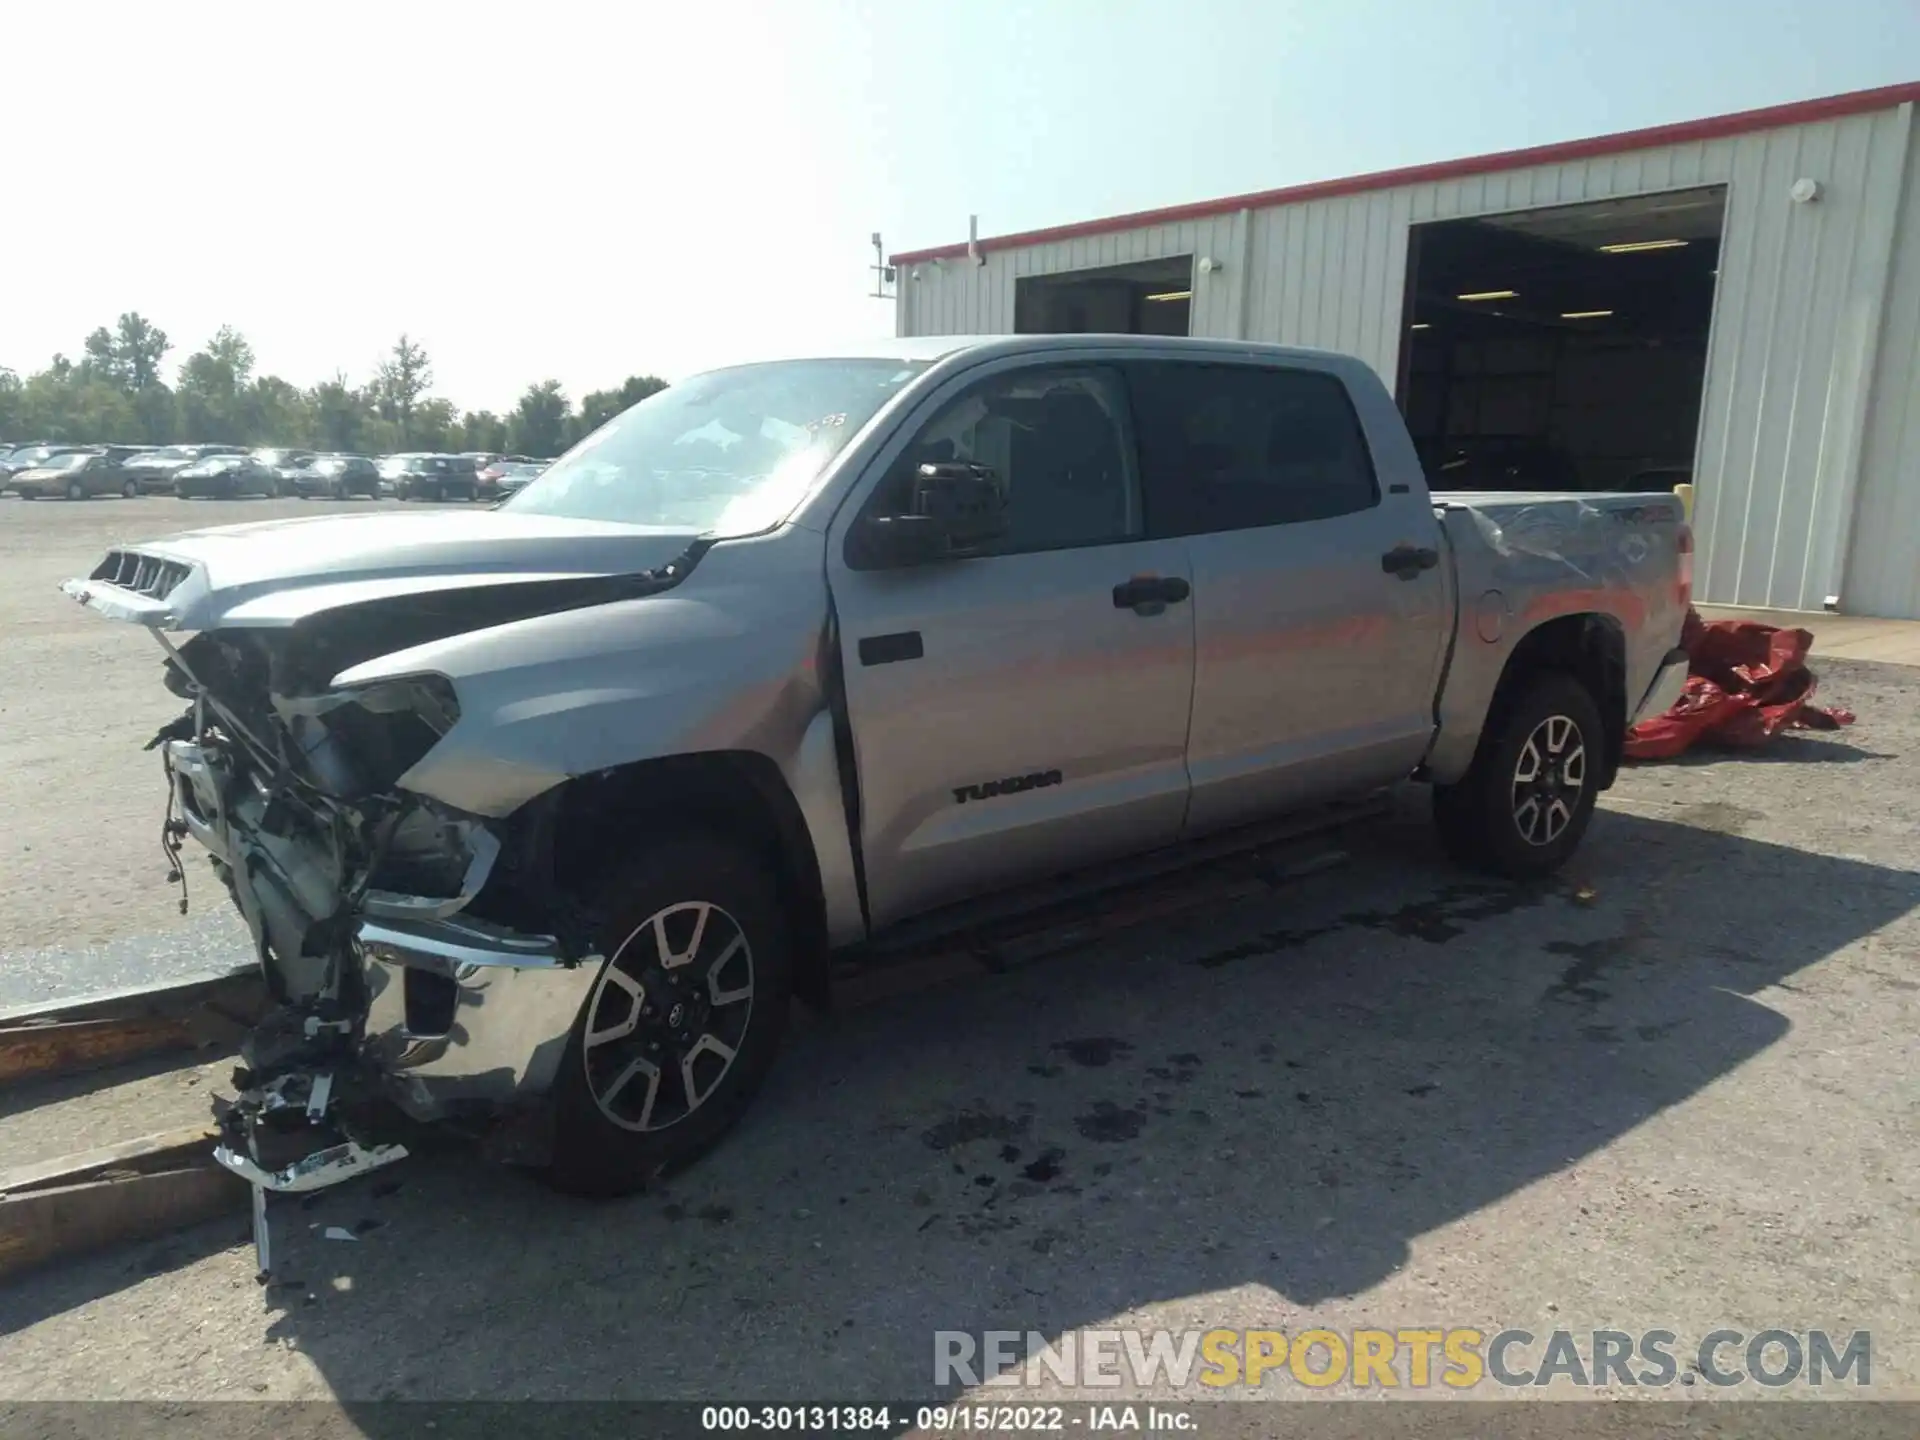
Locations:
(1553, 561)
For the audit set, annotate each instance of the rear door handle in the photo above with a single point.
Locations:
(1150, 594)
(1407, 561)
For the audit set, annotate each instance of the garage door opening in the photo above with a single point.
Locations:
(1154, 297)
(1562, 349)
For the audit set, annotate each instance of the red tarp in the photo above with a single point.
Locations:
(1746, 682)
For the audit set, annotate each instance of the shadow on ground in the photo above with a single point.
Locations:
(1285, 1092)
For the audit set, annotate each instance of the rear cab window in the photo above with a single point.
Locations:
(1241, 447)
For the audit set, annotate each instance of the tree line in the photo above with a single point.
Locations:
(115, 394)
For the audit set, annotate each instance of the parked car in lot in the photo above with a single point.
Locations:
(29, 457)
(155, 470)
(506, 475)
(280, 459)
(225, 477)
(337, 477)
(78, 475)
(743, 691)
(423, 476)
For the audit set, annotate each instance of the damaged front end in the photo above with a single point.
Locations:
(390, 983)
(423, 962)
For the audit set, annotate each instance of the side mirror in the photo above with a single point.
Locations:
(955, 508)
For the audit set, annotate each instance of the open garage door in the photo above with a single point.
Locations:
(1562, 349)
(1153, 297)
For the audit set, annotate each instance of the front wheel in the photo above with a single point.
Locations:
(76, 491)
(1522, 808)
(683, 1021)
(131, 490)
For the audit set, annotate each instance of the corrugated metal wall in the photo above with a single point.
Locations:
(1883, 566)
(1792, 358)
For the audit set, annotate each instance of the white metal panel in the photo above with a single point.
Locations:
(1796, 410)
(1883, 567)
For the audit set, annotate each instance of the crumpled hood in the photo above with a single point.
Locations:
(276, 572)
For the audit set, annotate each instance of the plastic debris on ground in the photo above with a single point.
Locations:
(1746, 682)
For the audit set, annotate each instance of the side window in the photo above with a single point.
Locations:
(1056, 440)
(1239, 447)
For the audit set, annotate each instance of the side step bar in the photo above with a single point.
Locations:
(1032, 903)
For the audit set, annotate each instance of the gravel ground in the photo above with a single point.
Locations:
(84, 901)
(1676, 1090)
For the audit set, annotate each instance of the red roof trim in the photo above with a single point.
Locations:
(1800, 112)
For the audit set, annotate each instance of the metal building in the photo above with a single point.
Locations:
(1732, 301)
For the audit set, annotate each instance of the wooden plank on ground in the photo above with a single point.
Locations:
(115, 1195)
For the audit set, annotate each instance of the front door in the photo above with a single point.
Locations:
(1315, 663)
(1022, 712)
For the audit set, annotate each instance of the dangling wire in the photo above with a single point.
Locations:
(171, 831)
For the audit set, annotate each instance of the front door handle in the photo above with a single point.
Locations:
(1150, 594)
(1407, 561)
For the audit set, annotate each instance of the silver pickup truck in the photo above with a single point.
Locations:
(539, 815)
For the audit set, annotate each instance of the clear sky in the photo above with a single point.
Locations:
(585, 191)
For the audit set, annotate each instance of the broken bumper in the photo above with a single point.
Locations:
(1668, 684)
(462, 1013)
(459, 1015)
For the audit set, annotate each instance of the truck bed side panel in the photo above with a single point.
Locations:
(1525, 560)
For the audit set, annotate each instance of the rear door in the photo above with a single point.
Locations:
(1023, 712)
(1319, 604)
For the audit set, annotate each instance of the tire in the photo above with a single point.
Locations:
(1522, 807)
(76, 491)
(609, 1134)
(131, 490)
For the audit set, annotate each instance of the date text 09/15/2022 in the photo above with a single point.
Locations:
(945, 1419)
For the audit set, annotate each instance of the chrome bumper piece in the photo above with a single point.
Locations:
(513, 999)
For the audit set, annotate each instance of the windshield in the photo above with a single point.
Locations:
(214, 465)
(730, 452)
(67, 462)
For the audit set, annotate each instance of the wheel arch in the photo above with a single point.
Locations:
(595, 820)
(1590, 646)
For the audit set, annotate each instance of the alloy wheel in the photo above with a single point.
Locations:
(1548, 780)
(667, 1016)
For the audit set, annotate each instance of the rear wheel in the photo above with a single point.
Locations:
(131, 490)
(1523, 806)
(683, 1021)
